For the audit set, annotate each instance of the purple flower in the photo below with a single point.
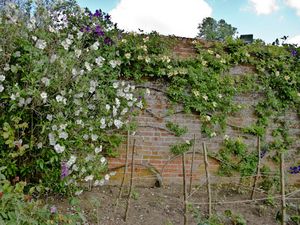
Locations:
(293, 52)
(107, 17)
(98, 30)
(64, 170)
(107, 41)
(98, 13)
(263, 153)
(294, 169)
(53, 209)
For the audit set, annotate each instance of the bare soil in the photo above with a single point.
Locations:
(164, 206)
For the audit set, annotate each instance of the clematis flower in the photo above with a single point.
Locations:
(64, 172)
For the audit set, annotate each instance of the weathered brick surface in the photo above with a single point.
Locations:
(153, 159)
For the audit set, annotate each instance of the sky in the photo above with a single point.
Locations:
(265, 19)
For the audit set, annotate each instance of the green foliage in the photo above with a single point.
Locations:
(235, 157)
(176, 129)
(181, 148)
(19, 208)
(213, 30)
(236, 219)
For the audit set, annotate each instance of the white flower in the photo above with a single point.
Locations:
(51, 29)
(130, 104)
(45, 81)
(63, 135)
(1, 88)
(94, 137)
(214, 104)
(59, 148)
(53, 58)
(89, 158)
(205, 97)
(114, 63)
(220, 96)
(226, 137)
(140, 104)
(40, 145)
(63, 126)
(99, 182)
(124, 111)
(106, 177)
(99, 61)
(88, 66)
(107, 107)
(103, 160)
(59, 98)
(54, 127)
(41, 44)
(78, 53)
(89, 178)
(117, 102)
(127, 55)
(6, 67)
(207, 118)
(44, 95)
(147, 59)
(66, 43)
(79, 122)
(148, 92)
(71, 161)
(118, 123)
(95, 46)
(103, 125)
(127, 88)
(116, 85)
(75, 167)
(213, 134)
(78, 192)
(28, 101)
(115, 111)
(129, 96)
(49, 117)
(85, 136)
(79, 35)
(22, 102)
(2, 78)
(112, 173)
(98, 149)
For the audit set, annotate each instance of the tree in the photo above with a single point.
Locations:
(211, 30)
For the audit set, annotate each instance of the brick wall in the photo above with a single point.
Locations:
(153, 161)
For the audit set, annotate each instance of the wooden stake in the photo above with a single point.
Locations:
(192, 165)
(283, 204)
(125, 171)
(184, 190)
(207, 179)
(257, 168)
(131, 181)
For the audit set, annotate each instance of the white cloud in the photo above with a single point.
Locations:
(264, 7)
(294, 40)
(178, 17)
(294, 4)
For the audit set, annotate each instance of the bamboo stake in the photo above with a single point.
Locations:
(207, 179)
(184, 190)
(131, 181)
(192, 165)
(283, 204)
(125, 171)
(257, 168)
